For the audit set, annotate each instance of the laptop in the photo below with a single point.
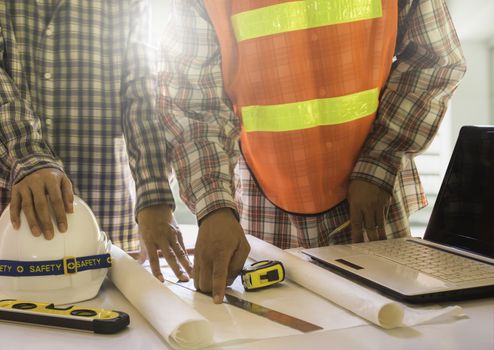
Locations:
(455, 259)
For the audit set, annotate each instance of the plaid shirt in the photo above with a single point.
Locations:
(78, 92)
(204, 132)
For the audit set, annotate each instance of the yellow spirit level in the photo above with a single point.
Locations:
(262, 274)
(100, 321)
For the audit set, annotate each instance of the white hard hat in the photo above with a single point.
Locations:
(66, 269)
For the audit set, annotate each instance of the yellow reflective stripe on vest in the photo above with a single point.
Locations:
(312, 113)
(297, 15)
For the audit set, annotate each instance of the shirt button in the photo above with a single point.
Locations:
(47, 75)
(49, 31)
(49, 122)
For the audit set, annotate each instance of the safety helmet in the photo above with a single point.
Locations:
(66, 269)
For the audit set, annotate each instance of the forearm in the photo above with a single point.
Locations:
(204, 154)
(200, 125)
(142, 128)
(206, 180)
(23, 149)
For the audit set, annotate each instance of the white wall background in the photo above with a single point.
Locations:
(159, 16)
(473, 102)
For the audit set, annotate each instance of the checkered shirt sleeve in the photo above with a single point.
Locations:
(428, 67)
(143, 129)
(201, 128)
(22, 148)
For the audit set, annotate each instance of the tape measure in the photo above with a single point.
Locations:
(99, 321)
(262, 274)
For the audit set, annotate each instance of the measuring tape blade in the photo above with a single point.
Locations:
(101, 321)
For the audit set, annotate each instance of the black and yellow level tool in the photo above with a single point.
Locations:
(99, 321)
(262, 274)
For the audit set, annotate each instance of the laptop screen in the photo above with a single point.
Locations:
(463, 215)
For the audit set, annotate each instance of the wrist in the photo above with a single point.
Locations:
(163, 211)
(220, 211)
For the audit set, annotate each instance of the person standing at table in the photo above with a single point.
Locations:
(326, 101)
(77, 106)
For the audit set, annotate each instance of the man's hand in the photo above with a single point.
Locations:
(34, 193)
(369, 206)
(158, 234)
(220, 253)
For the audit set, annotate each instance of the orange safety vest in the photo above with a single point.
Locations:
(304, 77)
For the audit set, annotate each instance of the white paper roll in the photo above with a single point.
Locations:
(179, 324)
(362, 301)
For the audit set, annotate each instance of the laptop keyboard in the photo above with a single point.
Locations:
(446, 266)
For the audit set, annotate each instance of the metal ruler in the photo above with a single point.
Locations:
(273, 315)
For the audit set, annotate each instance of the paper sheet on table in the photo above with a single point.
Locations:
(362, 301)
(180, 325)
(189, 319)
(234, 325)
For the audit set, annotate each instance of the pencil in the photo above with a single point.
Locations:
(340, 228)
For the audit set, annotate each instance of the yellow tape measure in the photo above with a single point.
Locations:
(100, 321)
(262, 274)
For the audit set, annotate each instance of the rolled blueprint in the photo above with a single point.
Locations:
(361, 301)
(179, 324)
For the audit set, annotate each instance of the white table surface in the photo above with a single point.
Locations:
(474, 332)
